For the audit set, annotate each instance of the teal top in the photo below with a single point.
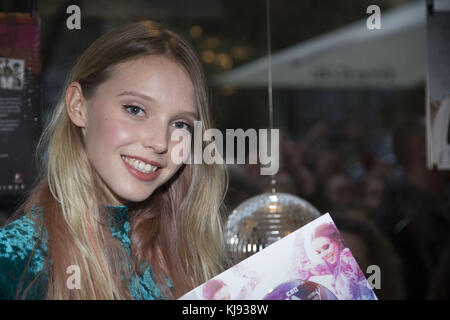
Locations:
(18, 239)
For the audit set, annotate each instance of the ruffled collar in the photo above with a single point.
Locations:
(118, 213)
(118, 220)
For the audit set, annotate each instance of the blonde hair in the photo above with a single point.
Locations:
(176, 231)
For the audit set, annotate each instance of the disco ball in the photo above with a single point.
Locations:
(263, 219)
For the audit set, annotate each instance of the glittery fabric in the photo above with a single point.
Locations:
(19, 238)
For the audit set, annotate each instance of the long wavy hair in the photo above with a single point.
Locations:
(328, 230)
(177, 231)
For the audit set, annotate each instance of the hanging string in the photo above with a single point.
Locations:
(269, 82)
(269, 64)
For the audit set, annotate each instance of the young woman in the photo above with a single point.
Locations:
(113, 216)
(348, 281)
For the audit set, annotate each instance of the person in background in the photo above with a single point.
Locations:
(338, 192)
(415, 211)
(373, 191)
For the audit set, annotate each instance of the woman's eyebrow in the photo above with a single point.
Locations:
(191, 114)
(137, 94)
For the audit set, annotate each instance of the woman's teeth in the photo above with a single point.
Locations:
(139, 165)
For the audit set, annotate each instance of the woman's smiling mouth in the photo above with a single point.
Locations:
(140, 169)
(140, 165)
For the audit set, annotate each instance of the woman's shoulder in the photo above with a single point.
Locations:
(19, 236)
(19, 239)
(20, 249)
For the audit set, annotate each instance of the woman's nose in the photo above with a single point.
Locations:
(156, 137)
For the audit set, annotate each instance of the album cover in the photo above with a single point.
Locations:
(312, 263)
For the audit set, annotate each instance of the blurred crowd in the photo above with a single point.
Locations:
(394, 215)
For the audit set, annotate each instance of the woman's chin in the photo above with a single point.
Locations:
(135, 197)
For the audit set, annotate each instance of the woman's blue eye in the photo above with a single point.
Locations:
(134, 110)
(182, 125)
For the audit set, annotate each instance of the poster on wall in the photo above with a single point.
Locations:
(438, 85)
(20, 106)
(311, 263)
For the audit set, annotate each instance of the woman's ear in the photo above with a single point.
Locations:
(76, 105)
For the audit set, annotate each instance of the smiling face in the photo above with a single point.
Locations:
(127, 125)
(327, 249)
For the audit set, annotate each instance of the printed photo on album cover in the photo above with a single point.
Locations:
(312, 263)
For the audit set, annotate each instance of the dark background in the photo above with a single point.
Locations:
(356, 153)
